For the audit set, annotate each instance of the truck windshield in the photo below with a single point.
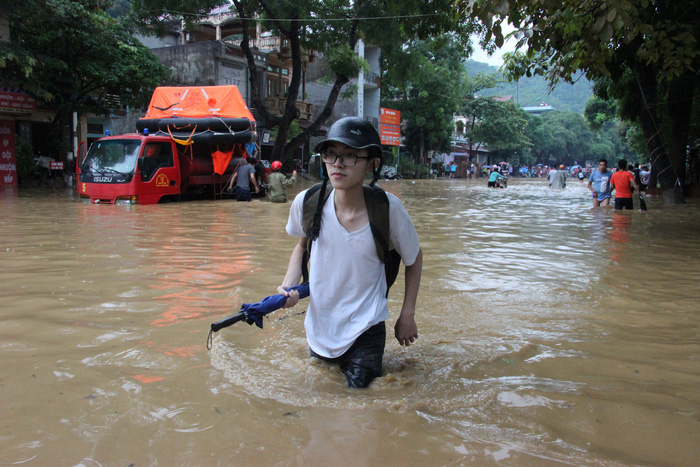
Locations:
(112, 156)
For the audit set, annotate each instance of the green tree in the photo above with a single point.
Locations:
(540, 140)
(610, 133)
(560, 138)
(331, 28)
(499, 125)
(650, 45)
(75, 58)
(427, 88)
(598, 112)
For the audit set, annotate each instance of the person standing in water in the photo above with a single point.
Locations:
(559, 179)
(622, 182)
(599, 184)
(348, 303)
(277, 183)
(243, 178)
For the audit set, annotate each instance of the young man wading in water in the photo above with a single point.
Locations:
(348, 281)
(599, 184)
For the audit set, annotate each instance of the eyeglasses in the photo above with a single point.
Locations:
(348, 160)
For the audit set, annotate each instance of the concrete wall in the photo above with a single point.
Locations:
(209, 63)
(190, 64)
(319, 81)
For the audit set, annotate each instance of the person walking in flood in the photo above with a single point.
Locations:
(495, 178)
(599, 184)
(644, 177)
(277, 183)
(622, 182)
(559, 179)
(345, 320)
(244, 176)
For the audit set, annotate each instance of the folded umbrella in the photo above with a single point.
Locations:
(254, 312)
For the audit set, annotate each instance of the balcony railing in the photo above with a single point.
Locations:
(271, 43)
(372, 78)
(276, 105)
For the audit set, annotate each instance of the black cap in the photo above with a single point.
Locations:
(354, 132)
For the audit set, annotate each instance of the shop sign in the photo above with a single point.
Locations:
(14, 101)
(8, 155)
(390, 126)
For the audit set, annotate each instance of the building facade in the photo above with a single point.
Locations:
(211, 55)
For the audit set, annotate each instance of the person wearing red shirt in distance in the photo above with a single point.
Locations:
(622, 182)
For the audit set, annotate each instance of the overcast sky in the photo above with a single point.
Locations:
(497, 58)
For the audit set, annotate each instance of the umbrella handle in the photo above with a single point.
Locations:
(224, 323)
(240, 316)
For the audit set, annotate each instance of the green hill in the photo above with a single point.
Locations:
(528, 92)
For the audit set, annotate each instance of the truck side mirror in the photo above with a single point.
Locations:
(139, 164)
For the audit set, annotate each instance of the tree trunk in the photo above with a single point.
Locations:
(282, 149)
(422, 145)
(666, 174)
(680, 109)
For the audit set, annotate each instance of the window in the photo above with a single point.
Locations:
(156, 156)
(95, 128)
(25, 132)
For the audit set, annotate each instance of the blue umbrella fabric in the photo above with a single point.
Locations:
(254, 312)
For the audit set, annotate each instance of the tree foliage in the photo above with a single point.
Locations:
(499, 125)
(74, 57)
(428, 87)
(566, 138)
(613, 138)
(329, 27)
(655, 42)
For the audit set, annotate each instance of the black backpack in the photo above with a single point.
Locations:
(378, 211)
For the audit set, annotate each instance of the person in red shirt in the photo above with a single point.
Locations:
(622, 182)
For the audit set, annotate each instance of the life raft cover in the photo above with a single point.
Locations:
(198, 102)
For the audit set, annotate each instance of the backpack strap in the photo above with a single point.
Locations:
(312, 210)
(378, 212)
(377, 203)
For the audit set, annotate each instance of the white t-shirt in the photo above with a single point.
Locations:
(346, 277)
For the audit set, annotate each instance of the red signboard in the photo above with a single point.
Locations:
(389, 116)
(8, 156)
(14, 101)
(389, 126)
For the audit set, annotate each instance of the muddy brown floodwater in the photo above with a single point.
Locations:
(550, 333)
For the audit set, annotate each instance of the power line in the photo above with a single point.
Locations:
(313, 20)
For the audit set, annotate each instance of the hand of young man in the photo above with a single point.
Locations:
(292, 296)
(405, 330)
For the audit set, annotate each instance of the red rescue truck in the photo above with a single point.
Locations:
(189, 144)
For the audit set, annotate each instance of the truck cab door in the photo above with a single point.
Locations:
(159, 174)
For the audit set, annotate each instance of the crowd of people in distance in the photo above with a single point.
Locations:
(624, 181)
(630, 179)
